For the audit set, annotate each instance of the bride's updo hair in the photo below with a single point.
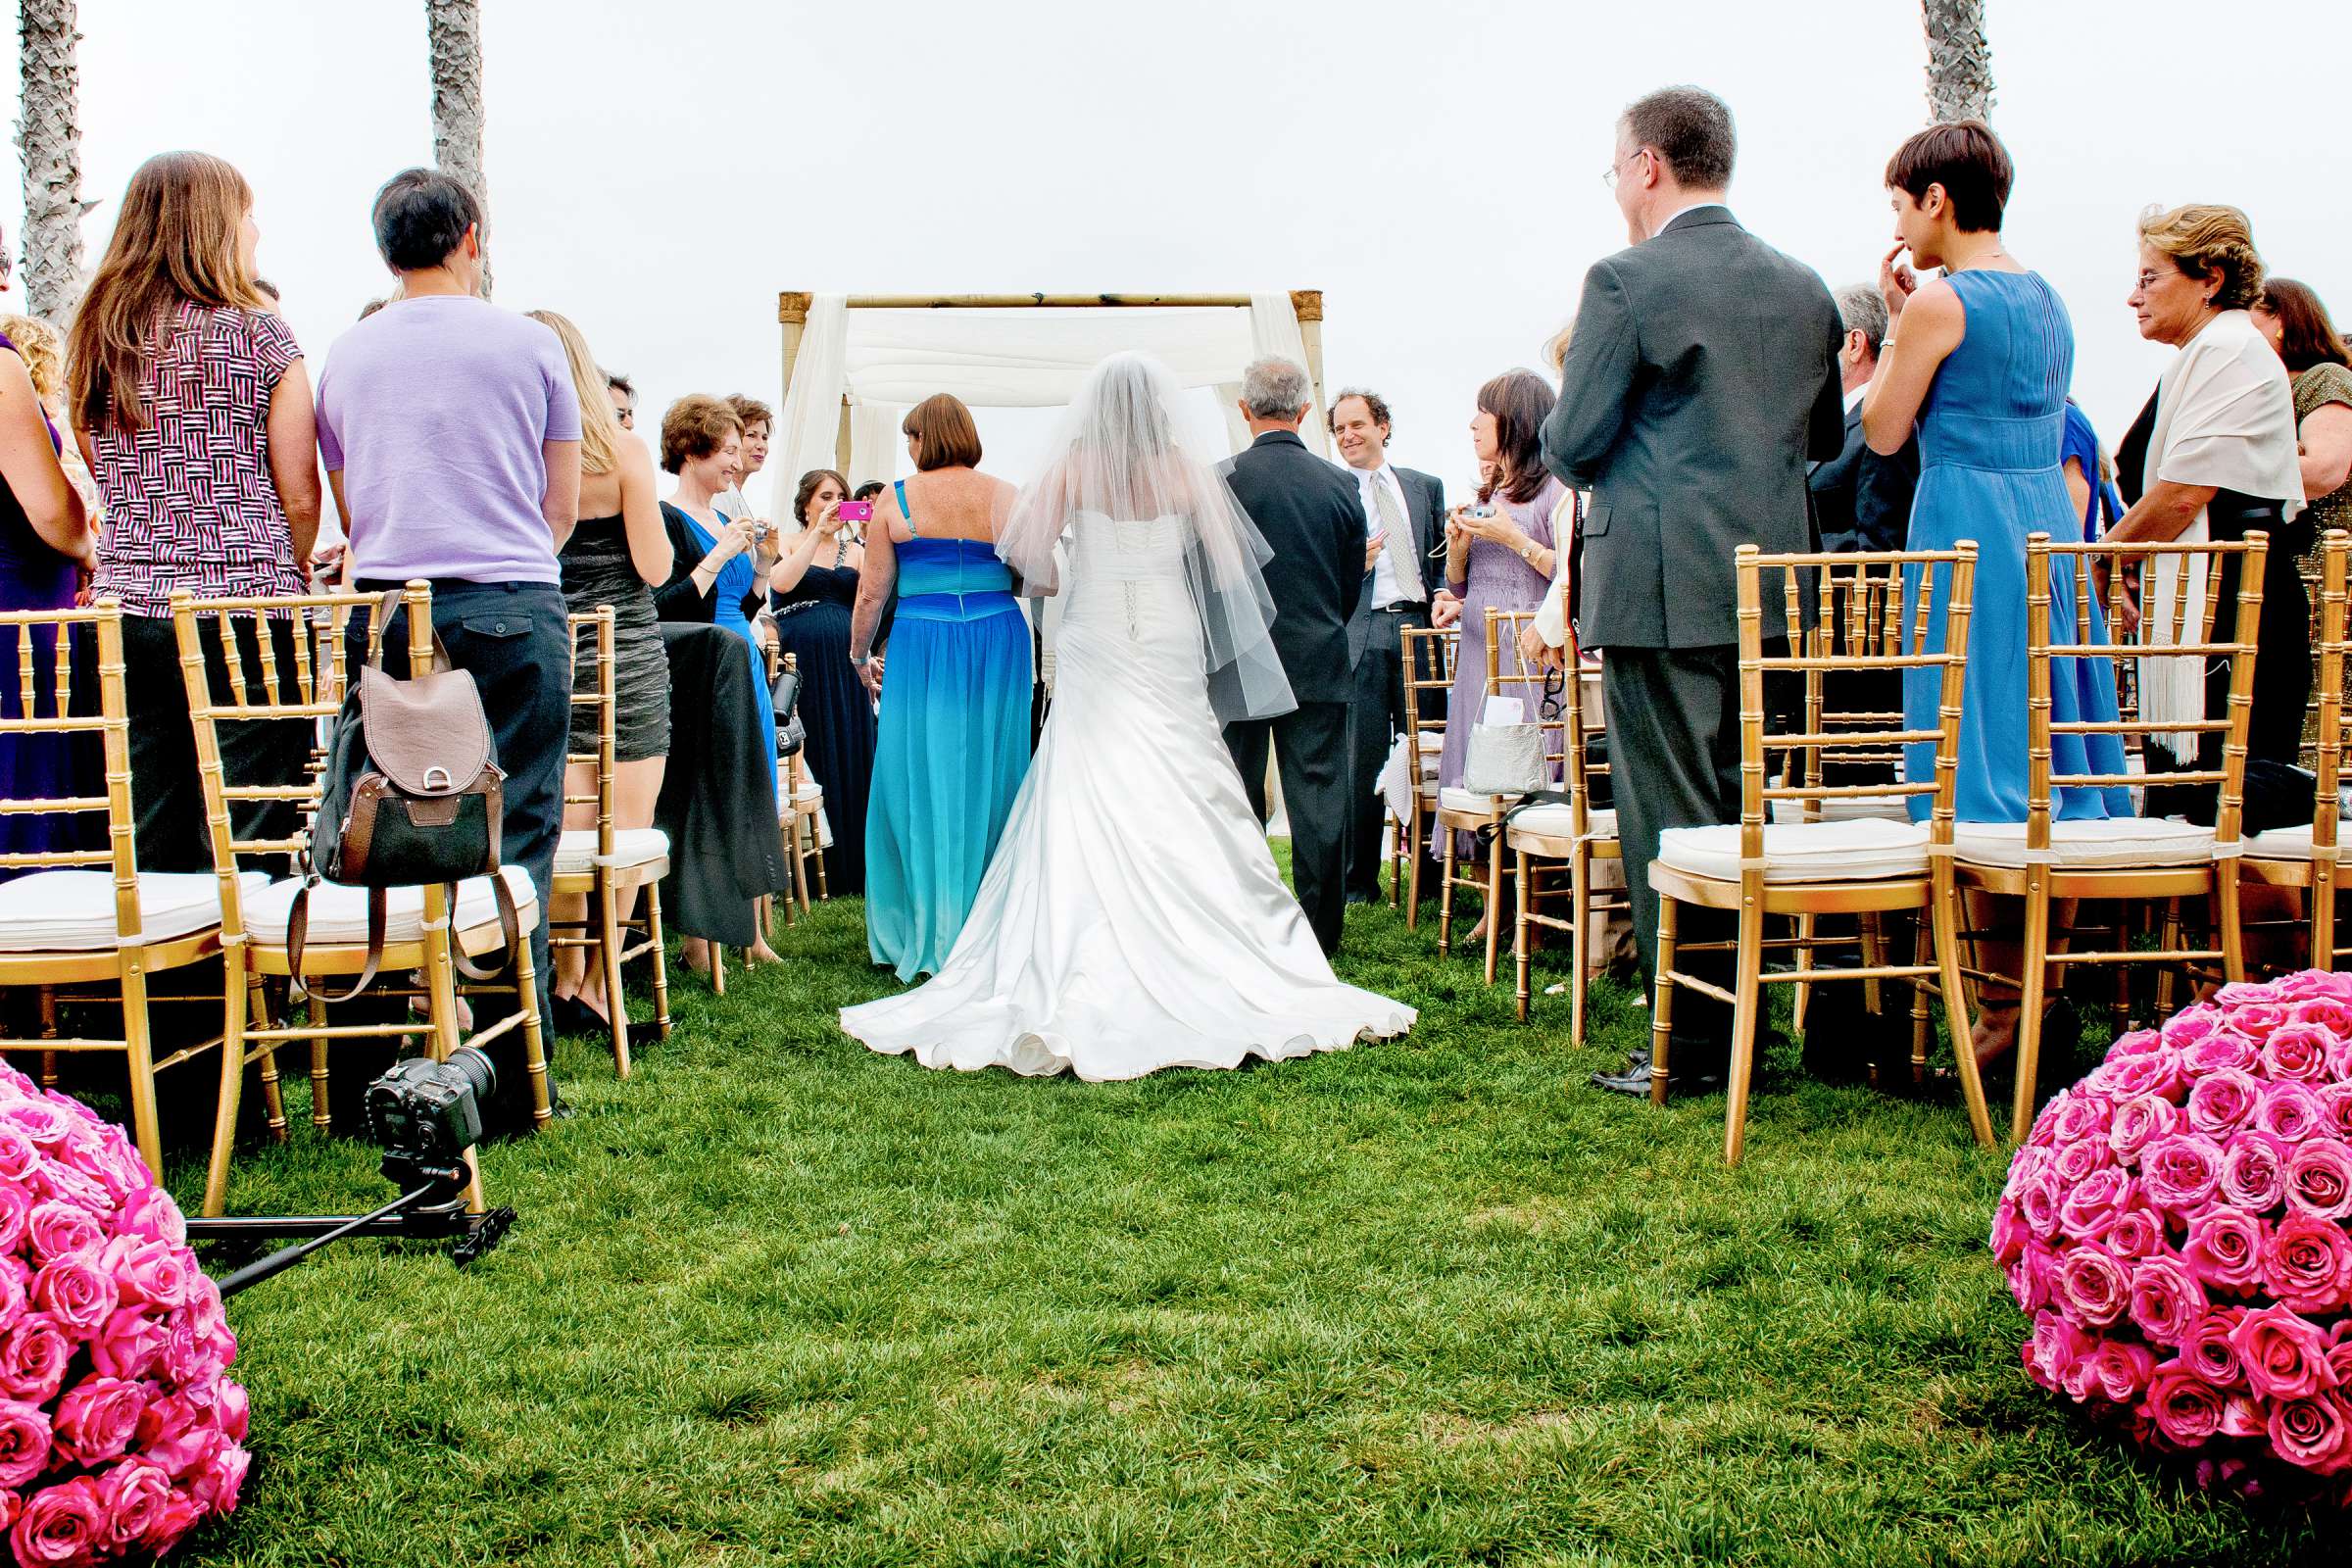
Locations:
(945, 435)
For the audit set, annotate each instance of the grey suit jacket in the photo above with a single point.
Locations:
(1701, 378)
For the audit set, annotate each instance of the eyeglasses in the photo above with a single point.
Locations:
(2146, 281)
(1610, 178)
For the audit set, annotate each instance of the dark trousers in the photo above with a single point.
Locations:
(170, 832)
(1674, 747)
(1311, 747)
(515, 642)
(1374, 721)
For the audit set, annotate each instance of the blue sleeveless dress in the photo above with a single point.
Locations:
(735, 581)
(951, 751)
(1989, 440)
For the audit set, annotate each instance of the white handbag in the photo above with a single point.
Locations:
(1504, 757)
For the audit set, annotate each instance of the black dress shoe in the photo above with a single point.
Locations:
(1637, 1080)
(1359, 895)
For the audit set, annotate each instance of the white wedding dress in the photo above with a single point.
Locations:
(1133, 917)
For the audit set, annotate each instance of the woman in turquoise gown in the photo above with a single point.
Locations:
(952, 742)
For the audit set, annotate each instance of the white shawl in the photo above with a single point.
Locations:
(2225, 418)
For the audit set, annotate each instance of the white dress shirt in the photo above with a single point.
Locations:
(1368, 482)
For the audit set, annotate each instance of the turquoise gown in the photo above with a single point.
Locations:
(1989, 438)
(951, 750)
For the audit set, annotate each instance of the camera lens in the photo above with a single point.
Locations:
(473, 1064)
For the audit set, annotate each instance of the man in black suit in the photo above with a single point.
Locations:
(1702, 376)
(1861, 500)
(1405, 512)
(1309, 510)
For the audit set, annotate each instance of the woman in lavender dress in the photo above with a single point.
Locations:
(1500, 560)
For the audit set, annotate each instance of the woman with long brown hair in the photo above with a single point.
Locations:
(193, 410)
(1498, 550)
(812, 589)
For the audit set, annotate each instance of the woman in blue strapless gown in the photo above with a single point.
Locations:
(953, 745)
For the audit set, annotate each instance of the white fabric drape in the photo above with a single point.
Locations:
(1274, 332)
(811, 421)
(1027, 359)
(875, 441)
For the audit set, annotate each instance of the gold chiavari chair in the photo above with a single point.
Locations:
(610, 867)
(1574, 835)
(2309, 857)
(1463, 810)
(2129, 861)
(1429, 655)
(84, 923)
(1763, 869)
(799, 805)
(423, 926)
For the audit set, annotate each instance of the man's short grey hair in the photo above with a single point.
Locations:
(1275, 389)
(1862, 309)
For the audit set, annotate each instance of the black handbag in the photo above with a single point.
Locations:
(784, 701)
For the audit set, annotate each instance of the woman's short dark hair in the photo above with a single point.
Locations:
(621, 384)
(1968, 160)
(946, 436)
(868, 490)
(1520, 401)
(809, 482)
(1692, 129)
(695, 426)
(2307, 336)
(421, 214)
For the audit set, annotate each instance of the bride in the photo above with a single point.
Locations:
(1132, 918)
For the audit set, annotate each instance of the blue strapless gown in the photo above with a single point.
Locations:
(1990, 435)
(951, 752)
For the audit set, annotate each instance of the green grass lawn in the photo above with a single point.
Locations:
(778, 1299)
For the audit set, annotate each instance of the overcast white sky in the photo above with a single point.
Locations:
(1433, 167)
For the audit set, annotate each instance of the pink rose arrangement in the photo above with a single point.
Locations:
(2176, 1230)
(119, 1430)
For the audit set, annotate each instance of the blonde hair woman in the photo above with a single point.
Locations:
(614, 556)
(42, 348)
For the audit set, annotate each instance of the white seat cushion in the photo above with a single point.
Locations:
(339, 915)
(810, 792)
(1461, 800)
(1863, 851)
(575, 851)
(2285, 842)
(1847, 809)
(73, 911)
(1556, 820)
(2116, 842)
(1432, 741)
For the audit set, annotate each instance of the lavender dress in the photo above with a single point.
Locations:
(33, 576)
(1499, 580)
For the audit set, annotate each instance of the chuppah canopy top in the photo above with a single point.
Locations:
(853, 363)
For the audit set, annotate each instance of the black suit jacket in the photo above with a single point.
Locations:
(1311, 516)
(1425, 514)
(1702, 376)
(1861, 500)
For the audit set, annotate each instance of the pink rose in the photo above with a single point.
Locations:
(61, 1228)
(2181, 1172)
(2166, 1300)
(2256, 1022)
(2090, 1209)
(231, 1411)
(2319, 1179)
(220, 1482)
(2081, 1116)
(2051, 1354)
(2242, 992)
(2225, 1049)
(20, 1157)
(25, 1442)
(2285, 1354)
(97, 1419)
(2335, 1108)
(2340, 1352)
(2137, 1233)
(149, 1271)
(2329, 1012)
(182, 1452)
(2190, 1025)
(2297, 1051)
(178, 1517)
(2093, 1285)
(2254, 1172)
(153, 1215)
(2221, 1103)
(2307, 1265)
(2009, 1233)
(2311, 1432)
(2244, 1416)
(2137, 1042)
(2140, 1121)
(61, 1527)
(2037, 1204)
(2305, 984)
(16, 1213)
(2074, 1162)
(194, 1354)
(60, 1182)
(2186, 1407)
(2113, 1371)
(2032, 1277)
(2147, 1072)
(33, 1352)
(2207, 1348)
(135, 1495)
(129, 1346)
(2224, 1247)
(77, 1292)
(39, 1120)
(2289, 1111)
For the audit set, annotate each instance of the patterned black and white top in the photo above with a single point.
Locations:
(189, 500)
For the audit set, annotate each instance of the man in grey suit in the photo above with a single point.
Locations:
(1701, 379)
(1308, 512)
(1406, 510)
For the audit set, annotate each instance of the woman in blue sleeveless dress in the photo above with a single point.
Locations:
(953, 745)
(1982, 366)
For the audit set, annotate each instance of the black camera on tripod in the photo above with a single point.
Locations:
(428, 1113)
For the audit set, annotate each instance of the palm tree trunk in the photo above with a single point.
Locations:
(50, 137)
(1959, 60)
(453, 29)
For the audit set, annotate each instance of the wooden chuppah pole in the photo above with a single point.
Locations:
(792, 315)
(1307, 305)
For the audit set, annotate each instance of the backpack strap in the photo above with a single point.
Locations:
(298, 935)
(509, 927)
